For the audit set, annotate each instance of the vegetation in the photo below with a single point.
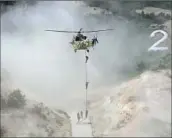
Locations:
(159, 4)
(3, 131)
(129, 4)
(141, 67)
(161, 18)
(14, 2)
(5, 3)
(38, 109)
(16, 99)
(3, 103)
(127, 8)
(164, 62)
(63, 112)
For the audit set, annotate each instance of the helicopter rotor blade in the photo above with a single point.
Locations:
(97, 31)
(62, 31)
(80, 31)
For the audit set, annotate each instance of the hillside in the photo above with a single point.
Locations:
(127, 8)
(129, 92)
(139, 107)
(27, 118)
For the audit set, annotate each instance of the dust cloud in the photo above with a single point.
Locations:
(43, 64)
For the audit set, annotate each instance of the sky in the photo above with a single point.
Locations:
(43, 64)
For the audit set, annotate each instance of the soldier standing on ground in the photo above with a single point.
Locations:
(86, 113)
(81, 114)
(78, 117)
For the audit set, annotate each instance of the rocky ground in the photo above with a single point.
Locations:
(37, 120)
(21, 117)
(139, 107)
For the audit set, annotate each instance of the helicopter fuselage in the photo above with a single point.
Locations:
(82, 45)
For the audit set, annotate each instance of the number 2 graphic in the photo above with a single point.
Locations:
(153, 47)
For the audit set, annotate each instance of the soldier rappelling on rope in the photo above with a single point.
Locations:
(86, 85)
(86, 59)
(82, 42)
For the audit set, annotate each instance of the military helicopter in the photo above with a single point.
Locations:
(80, 41)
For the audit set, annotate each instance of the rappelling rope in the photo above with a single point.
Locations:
(86, 80)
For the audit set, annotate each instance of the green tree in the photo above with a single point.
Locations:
(3, 102)
(16, 99)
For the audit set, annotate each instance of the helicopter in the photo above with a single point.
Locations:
(80, 41)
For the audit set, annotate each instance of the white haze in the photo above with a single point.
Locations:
(43, 64)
